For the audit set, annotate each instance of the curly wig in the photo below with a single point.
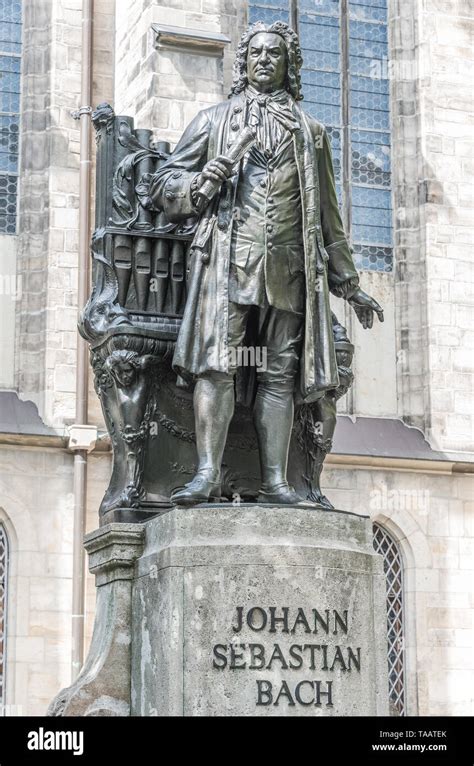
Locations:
(295, 59)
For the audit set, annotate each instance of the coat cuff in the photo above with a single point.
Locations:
(342, 274)
(345, 289)
(173, 194)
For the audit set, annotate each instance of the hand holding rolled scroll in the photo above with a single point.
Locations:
(218, 170)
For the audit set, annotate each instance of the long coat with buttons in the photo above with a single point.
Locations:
(328, 262)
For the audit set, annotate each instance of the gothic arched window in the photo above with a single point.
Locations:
(393, 568)
(10, 67)
(346, 87)
(3, 609)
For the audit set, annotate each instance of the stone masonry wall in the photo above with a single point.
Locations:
(47, 256)
(447, 145)
(432, 144)
(431, 516)
(165, 88)
(48, 231)
(36, 501)
(36, 508)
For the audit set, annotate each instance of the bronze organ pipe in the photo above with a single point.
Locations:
(141, 270)
(160, 273)
(122, 244)
(177, 276)
(142, 245)
(161, 249)
(123, 265)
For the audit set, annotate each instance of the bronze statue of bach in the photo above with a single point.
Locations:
(269, 249)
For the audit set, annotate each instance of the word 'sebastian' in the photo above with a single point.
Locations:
(268, 250)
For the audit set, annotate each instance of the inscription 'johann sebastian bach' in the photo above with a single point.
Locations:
(296, 656)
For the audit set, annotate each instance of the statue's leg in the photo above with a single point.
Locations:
(273, 419)
(280, 335)
(324, 417)
(213, 410)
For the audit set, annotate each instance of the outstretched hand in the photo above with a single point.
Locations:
(365, 307)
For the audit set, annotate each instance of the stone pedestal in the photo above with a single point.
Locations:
(259, 611)
(246, 610)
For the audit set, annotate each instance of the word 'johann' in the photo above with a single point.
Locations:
(281, 619)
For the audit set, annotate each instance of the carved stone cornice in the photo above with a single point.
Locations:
(192, 40)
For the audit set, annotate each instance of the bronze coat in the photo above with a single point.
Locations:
(328, 262)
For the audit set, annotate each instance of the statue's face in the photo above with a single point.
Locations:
(126, 374)
(267, 62)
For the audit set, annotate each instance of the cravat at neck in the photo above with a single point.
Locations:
(278, 103)
(280, 96)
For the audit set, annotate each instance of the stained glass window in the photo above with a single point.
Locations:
(346, 87)
(10, 64)
(371, 206)
(269, 11)
(3, 610)
(319, 26)
(393, 568)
